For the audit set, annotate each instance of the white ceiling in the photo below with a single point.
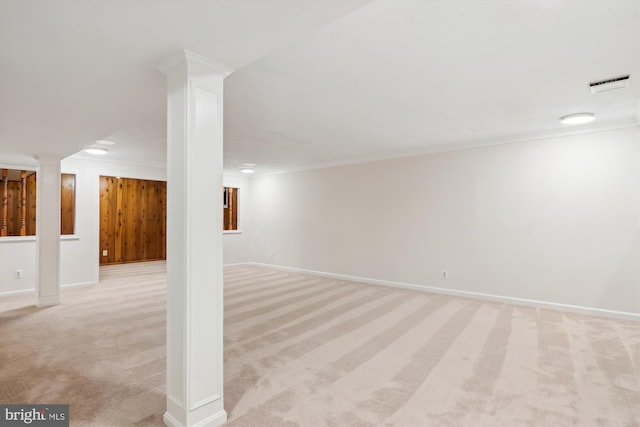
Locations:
(74, 71)
(316, 82)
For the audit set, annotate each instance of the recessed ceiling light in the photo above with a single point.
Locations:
(248, 165)
(578, 119)
(105, 142)
(248, 171)
(93, 150)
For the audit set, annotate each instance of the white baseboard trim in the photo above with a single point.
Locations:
(73, 285)
(236, 264)
(33, 290)
(170, 421)
(19, 292)
(459, 293)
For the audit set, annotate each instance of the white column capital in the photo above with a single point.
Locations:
(192, 64)
(47, 159)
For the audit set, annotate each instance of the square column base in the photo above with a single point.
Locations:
(204, 416)
(48, 301)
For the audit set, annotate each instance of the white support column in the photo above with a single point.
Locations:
(194, 241)
(48, 231)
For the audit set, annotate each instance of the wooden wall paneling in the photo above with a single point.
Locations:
(132, 220)
(152, 227)
(162, 214)
(227, 203)
(234, 214)
(31, 204)
(67, 203)
(124, 226)
(153, 222)
(135, 203)
(227, 209)
(159, 219)
(108, 217)
(164, 220)
(119, 218)
(112, 220)
(141, 220)
(5, 200)
(150, 234)
(130, 236)
(103, 219)
(231, 211)
(121, 222)
(149, 228)
(142, 224)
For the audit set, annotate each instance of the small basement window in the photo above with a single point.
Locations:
(230, 214)
(18, 210)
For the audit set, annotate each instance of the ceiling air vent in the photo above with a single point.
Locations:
(609, 84)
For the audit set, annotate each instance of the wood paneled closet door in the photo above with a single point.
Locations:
(133, 220)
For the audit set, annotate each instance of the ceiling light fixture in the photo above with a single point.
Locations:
(248, 171)
(249, 165)
(105, 142)
(94, 150)
(578, 119)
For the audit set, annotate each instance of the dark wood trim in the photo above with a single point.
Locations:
(23, 203)
(5, 202)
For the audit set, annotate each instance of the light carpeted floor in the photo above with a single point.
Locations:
(306, 351)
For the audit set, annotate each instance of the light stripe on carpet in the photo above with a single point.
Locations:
(305, 351)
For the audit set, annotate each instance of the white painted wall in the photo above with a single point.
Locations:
(553, 220)
(79, 260)
(17, 253)
(80, 257)
(78, 253)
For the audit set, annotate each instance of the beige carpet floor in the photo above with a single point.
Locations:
(307, 351)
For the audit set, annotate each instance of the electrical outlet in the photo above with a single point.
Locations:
(445, 274)
(19, 274)
(104, 252)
